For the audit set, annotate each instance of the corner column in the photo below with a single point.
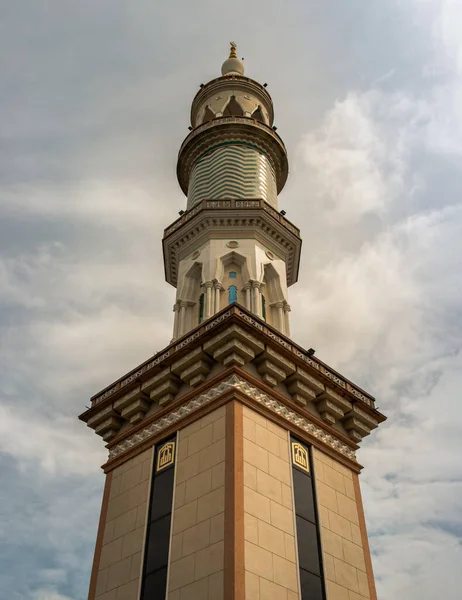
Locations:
(176, 320)
(281, 320)
(248, 295)
(217, 288)
(286, 318)
(256, 292)
(208, 299)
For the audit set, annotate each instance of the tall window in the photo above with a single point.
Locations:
(154, 581)
(232, 294)
(309, 549)
(263, 307)
(201, 308)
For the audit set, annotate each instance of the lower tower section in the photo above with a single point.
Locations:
(243, 483)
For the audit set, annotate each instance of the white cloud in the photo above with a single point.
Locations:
(48, 594)
(379, 289)
(383, 306)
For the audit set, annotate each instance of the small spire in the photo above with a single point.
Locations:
(232, 65)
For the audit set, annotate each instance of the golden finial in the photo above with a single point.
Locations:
(232, 52)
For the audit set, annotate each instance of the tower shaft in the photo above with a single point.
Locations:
(232, 470)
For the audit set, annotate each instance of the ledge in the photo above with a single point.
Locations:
(234, 338)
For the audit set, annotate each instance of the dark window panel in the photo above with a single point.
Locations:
(311, 586)
(162, 494)
(303, 493)
(308, 549)
(157, 544)
(155, 585)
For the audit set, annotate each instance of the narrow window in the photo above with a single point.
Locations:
(201, 308)
(232, 294)
(263, 307)
(154, 584)
(309, 555)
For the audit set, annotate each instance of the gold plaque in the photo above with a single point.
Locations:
(165, 456)
(300, 456)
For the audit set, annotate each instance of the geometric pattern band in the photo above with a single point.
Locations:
(234, 381)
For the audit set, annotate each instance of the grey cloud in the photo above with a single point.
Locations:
(94, 105)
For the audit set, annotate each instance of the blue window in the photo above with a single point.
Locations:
(232, 294)
(232, 274)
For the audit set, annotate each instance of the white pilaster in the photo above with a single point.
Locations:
(217, 287)
(176, 310)
(286, 319)
(208, 299)
(256, 298)
(281, 320)
(248, 292)
(183, 306)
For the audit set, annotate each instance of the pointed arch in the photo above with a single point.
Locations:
(233, 258)
(258, 114)
(190, 286)
(208, 115)
(272, 283)
(233, 108)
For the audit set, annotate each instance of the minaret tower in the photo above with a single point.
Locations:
(232, 470)
(232, 244)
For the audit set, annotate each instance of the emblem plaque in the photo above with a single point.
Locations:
(300, 457)
(165, 456)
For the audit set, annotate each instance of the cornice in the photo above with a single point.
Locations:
(234, 338)
(232, 129)
(236, 382)
(236, 219)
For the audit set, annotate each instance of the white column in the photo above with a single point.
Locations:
(218, 288)
(286, 318)
(208, 299)
(281, 321)
(183, 306)
(176, 310)
(248, 298)
(256, 298)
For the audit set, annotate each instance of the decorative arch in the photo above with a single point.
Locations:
(233, 108)
(208, 115)
(233, 258)
(273, 300)
(272, 283)
(191, 284)
(258, 114)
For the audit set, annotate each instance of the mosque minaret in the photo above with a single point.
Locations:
(232, 470)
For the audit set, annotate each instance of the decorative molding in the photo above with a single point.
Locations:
(259, 326)
(233, 129)
(233, 382)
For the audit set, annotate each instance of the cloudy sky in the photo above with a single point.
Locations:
(94, 105)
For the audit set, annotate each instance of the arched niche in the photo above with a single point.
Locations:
(273, 294)
(190, 291)
(259, 115)
(208, 115)
(232, 270)
(233, 108)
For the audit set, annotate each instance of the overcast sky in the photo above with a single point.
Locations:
(94, 104)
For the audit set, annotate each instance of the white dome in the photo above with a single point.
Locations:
(232, 66)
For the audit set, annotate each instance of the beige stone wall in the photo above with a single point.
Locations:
(343, 553)
(124, 531)
(271, 571)
(197, 546)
